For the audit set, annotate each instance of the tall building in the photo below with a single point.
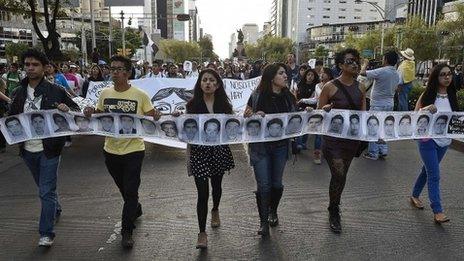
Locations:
(250, 33)
(194, 22)
(450, 11)
(425, 9)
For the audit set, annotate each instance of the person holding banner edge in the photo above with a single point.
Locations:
(124, 156)
(42, 156)
(343, 92)
(439, 96)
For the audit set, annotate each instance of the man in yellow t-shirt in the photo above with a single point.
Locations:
(124, 156)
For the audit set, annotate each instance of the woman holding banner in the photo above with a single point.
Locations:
(439, 95)
(269, 158)
(209, 96)
(343, 92)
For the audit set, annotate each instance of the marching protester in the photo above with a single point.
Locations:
(407, 72)
(292, 68)
(154, 71)
(300, 76)
(4, 101)
(12, 78)
(42, 157)
(305, 89)
(269, 158)
(124, 156)
(326, 76)
(343, 92)
(386, 79)
(209, 96)
(439, 96)
(96, 75)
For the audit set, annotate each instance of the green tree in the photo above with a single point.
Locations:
(180, 51)
(321, 52)
(423, 39)
(453, 36)
(48, 13)
(13, 50)
(207, 49)
(271, 48)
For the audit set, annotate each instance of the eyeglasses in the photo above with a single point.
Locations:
(351, 62)
(117, 69)
(444, 74)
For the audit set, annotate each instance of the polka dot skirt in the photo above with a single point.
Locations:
(207, 161)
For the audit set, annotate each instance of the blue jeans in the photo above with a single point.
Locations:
(431, 155)
(270, 168)
(376, 148)
(45, 174)
(403, 101)
(303, 140)
(317, 142)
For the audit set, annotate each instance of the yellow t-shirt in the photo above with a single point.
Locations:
(134, 101)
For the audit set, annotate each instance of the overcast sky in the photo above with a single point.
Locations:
(221, 18)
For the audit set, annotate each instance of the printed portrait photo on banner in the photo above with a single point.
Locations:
(389, 127)
(190, 131)
(294, 124)
(440, 124)
(314, 123)
(61, 123)
(169, 128)
(274, 128)
(83, 123)
(422, 125)
(39, 126)
(336, 124)
(372, 127)
(211, 129)
(15, 129)
(354, 129)
(127, 125)
(106, 123)
(148, 127)
(232, 129)
(405, 126)
(253, 129)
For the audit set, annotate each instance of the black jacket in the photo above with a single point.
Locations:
(52, 96)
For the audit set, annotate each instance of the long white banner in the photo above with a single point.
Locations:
(170, 94)
(215, 129)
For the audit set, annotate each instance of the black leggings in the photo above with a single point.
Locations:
(338, 169)
(203, 195)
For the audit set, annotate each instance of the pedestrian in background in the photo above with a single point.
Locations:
(407, 72)
(439, 96)
(269, 158)
(208, 162)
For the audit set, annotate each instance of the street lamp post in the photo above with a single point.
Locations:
(123, 34)
(92, 22)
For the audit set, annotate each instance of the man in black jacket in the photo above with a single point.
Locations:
(42, 156)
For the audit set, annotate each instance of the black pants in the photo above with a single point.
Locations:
(338, 169)
(2, 138)
(125, 170)
(203, 195)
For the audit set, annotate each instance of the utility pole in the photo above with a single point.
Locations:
(123, 34)
(110, 37)
(92, 21)
(83, 41)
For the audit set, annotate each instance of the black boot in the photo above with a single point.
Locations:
(127, 241)
(334, 219)
(276, 195)
(262, 201)
(139, 210)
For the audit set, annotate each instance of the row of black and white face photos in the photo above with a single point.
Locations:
(221, 128)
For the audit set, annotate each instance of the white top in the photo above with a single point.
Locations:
(316, 94)
(32, 104)
(443, 105)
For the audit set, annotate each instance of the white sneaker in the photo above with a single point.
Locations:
(67, 144)
(45, 241)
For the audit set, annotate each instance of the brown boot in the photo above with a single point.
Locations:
(215, 221)
(202, 242)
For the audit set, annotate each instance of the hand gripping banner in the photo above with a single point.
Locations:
(217, 129)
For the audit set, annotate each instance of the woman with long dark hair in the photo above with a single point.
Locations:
(210, 162)
(269, 158)
(439, 95)
(346, 93)
(96, 75)
(305, 89)
(326, 76)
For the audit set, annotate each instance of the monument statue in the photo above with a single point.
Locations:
(240, 36)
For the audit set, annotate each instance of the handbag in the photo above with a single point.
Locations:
(363, 144)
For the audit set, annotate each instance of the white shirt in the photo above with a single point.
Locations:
(443, 105)
(32, 104)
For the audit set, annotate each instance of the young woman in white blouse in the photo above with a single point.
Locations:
(439, 96)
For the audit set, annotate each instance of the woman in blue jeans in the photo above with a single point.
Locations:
(269, 158)
(439, 96)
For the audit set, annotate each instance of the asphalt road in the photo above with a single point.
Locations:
(378, 222)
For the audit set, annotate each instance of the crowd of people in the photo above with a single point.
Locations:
(284, 87)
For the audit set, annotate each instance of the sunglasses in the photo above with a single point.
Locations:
(351, 62)
(443, 74)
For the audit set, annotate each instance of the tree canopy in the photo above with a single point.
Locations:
(270, 48)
